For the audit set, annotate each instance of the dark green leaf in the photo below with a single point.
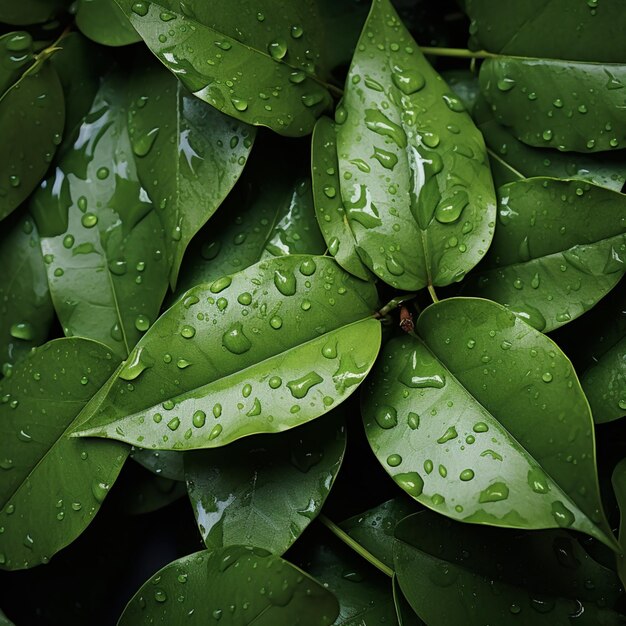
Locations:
(264, 350)
(166, 463)
(465, 85)
(31, 116)
(488, 576)
(619, 488)
(16, 54)
(549, 103)
(415, 180)
(25, 12)
(405, 614)
(236, 586)
(265, 490)
(52, 485)
(482, 418)
(188, 155)
(4, 620)
(227, 55)
(104, 22)
(26, 312)
(102, 241)
(560, 247)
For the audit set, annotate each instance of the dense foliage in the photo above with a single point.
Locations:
(345, 282)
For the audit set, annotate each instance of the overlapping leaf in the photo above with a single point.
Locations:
(104, 22)
(27, 12)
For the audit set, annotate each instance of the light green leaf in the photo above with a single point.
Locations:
(104, 22)
(188, 155)
(55, 484)
(415, 180)
(102, 241)
(265, 490)
(560, 247)
(482, 418)
(264, 589)
(264, 350)
(488, 576)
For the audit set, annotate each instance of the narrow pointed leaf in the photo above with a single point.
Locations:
(265, 490)
(56, 484)
(619, 488)
(415, 179)
(565, 105)
(209, 47)
(27, 312)
(264, 590)
(264, 350)
(487, 576)
(560, 247)
(188, 155)
(482, 418)
(102, 239)
(104, 22)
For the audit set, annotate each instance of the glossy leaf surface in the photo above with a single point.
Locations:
(265, 490)
(560, 246)
(263, 590)
(204, 150)
(165, 463)
(494, 576)
(481, 418)
(16, 54)
(264, 350)
(104, 22)
(102, 239)
(32, 115)
(565, 105)
(209, 47)
(51, 486)
(26, 312)
(415, 180)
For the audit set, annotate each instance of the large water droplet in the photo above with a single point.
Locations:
(301, 386)
(235, 340)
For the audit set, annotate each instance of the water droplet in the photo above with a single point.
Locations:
(379, 123)
(494, 493)
(330, 349)
(199, 418)
(187, 331)
(480, 427)
(174, 423)
(235, 340)
(408, 81)
(143, 144)
(140, 8)
(393, 460)
(276, 322)
(22, 330)
(449, 210)
(387, 159)
(220, 284)
(466, 474)
(285, 282)
(448, 435)
(419, 374)
(240, 104)
(142, 323)
(68, 241)
(411, 482)
(277, 49)
(301, 386)
(505, 84)
(138, 361)
(562, 515)
(308, 267)
(89, 220)
(538, 481)
(215, 432)
(546, 377)
(160, 595)
(453, 102)
(413, 420)
(386, 416)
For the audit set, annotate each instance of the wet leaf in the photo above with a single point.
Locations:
(415, 180)
(227, 56)
(499, 577)
(102, 241)
(16, 54)
(265, 490)
(549, 103)
(51, 486)
(188, 155)
(201, 588)
(165, 463)
(560, 246)
(104, 22)
(26, 313)
(481, 418)
(264, 350)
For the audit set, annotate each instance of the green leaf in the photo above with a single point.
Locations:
(102, 241)
(201, 588)
(31, 116)
(481, 418)
(209, 47)
(415, 180)
(265, 490)
(188, 155)
(558, 29)
(560, 247)
(26, 313)
(165, 463)
(512, 160)
(26, 12)
(262, 351)
(619, 488)
(465, 85)
(405, 614)
(488, 576)
(16, 53)
(329, 206)
(550, 103)
(104, 22)
(55, 484)
(4, 620)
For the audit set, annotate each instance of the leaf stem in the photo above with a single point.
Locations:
(336, 91)
(433, 293)
(357, 547)
(393, 304)
(502, 162)
(461, 53)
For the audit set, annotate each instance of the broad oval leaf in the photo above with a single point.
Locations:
(16, 53)
(415, 179)
(560, 247)
(481, 418)
(104, 22)
(264, 350)
(32, 115)
(27, 12)
(488, 576)
(51, 485)
(188, 155)
(26, 312)
(102, 240)
(550, 103)
(404, 613)
(226, 55)
(265, 490)
(236, 586)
